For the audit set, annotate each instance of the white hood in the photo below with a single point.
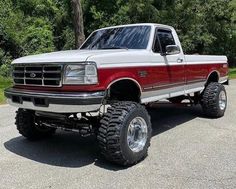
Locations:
(103, 58)
(63, 56)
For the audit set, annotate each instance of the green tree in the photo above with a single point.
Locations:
(38, 26)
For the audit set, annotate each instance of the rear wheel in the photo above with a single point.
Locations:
(26, 125)
(214, 100)
(125, 133)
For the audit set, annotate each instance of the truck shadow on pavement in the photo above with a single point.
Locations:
(69, 150)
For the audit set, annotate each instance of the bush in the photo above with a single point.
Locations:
(5, 64)
(5, 70)
(38, 38)
(4, 83)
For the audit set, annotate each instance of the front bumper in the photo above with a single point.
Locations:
(76, 102)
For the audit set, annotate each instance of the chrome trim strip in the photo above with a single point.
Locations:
(70, 102)
(83, 95)
(194, 86)
(156, 95)
(224, 79)
(152, 96)
(48, 63)
(57, 108)
(177, 83)
(148, 88)
(198, 89)
(196, 81)
(167, 85)
(152, 64)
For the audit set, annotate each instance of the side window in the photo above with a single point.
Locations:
(166, 38)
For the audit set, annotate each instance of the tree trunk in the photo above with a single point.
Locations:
(78, 22)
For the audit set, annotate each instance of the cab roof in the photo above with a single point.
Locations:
(139, 24)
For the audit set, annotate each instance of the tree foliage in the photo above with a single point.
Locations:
(38, 26)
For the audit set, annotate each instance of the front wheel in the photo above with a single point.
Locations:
(27, 126)
(125, 133)
(214, 100)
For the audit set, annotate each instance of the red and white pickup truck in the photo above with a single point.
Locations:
(103, 87)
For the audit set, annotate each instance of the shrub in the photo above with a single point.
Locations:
(5, 70)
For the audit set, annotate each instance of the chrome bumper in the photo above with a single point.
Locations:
(55, 102)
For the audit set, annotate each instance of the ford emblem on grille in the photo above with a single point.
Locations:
(32, 75)
(40, 75)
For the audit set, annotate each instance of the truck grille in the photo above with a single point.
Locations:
(38, 75)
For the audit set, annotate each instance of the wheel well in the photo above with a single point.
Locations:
(124, 90)
(213, 77)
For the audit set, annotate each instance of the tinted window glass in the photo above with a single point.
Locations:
(132, 37)
(166, 38)
(156, 47)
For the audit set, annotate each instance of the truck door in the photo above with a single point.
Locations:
(176, 62)
(175, 76)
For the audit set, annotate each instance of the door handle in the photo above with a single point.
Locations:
(180, 60)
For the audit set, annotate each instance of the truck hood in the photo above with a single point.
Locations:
(103, 58)
(64, 56)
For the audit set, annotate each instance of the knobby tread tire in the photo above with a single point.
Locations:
(25, 124)
(210, 100)
(111, 133)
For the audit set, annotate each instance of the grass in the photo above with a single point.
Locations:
(4, 83)
(232, 73)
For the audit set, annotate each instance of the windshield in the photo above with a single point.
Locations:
(131, 37)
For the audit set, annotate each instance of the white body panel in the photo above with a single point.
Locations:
(116, 58)
(203, 59)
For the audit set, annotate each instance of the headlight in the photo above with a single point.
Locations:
(81, 74)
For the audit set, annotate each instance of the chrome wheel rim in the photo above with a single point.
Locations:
(137, 134)
(222, 100)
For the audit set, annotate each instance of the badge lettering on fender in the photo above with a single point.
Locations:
(143, 73)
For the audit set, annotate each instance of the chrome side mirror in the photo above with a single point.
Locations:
(172, 49)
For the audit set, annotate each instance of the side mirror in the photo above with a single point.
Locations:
(172, 49)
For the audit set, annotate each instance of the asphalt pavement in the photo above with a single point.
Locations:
(187, 150)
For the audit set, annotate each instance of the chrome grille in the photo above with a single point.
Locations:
(38, 75)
